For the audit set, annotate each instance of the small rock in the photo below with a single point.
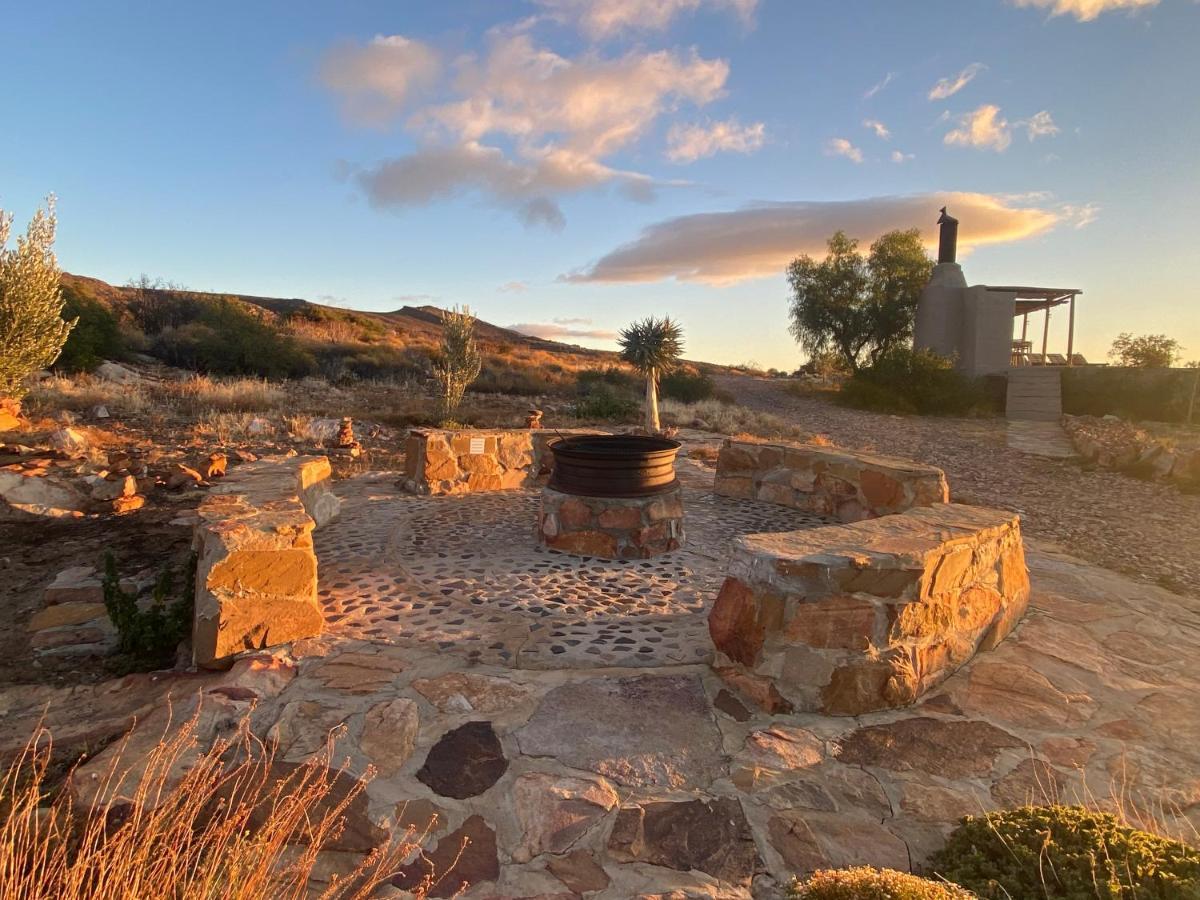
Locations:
(69, 440)
(100, 412)
(182, 476)
(464, 762)
(114, 372)
(215, 467)
(105, 489)
(123, 505)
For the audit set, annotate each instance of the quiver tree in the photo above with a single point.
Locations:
(458, 362)
(32, 329)
(653, 347)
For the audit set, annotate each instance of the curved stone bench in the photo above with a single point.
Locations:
(847, 619)
(843, 484)
(256, 572)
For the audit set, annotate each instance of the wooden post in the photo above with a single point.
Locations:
(1046, 333)
(1071, 332)
(1024, 327)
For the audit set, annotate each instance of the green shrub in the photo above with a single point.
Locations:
(916, 381)
(96, 336)
(687, 387)
(612, 377)
(1066, 852)
(148, 637)
(227, 339)
(606, 403)
(865, 883)
(1154, 395)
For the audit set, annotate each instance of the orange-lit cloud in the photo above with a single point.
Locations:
(688, 143)
(375, 80)
(605, 18)
(1087, 10)
(842, 147)
(948, 87)
(983, 128)
(757, 242)
(564, 328)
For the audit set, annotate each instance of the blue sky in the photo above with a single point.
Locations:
(574, 164)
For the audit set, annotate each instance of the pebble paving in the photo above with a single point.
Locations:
(465, 574)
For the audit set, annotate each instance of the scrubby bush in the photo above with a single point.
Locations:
(148, 635)
(32, 329)
(225, 338)
(96, 336)
(687, 387)
(1066, 852)
(606, 403)
(458, 362)
(915, 381)
(613, 376)
(727, 418)
(865, 883)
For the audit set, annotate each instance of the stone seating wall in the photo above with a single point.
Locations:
(256, 573)
(847, 619)
(827, 481)
(440, 462)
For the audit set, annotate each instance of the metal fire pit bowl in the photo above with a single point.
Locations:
(616, 465)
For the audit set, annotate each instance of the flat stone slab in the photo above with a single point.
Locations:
(464, 575)
(645, 731)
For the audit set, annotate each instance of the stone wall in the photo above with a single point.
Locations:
(256, 576)
(828, 481)
(847, 619)
(612, 527)
(438, 461)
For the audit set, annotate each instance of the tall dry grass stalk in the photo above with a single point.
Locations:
(183, 824)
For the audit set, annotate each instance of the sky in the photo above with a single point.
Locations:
(569, 166)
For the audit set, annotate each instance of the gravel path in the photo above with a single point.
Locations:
(1145, 530)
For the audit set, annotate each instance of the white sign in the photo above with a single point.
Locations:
(476, 446)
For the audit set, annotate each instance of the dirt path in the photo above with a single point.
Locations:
(1149, 531)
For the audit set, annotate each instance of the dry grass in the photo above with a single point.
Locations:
(200, 393)
(189, 825)
(80, 393)
(726, 418)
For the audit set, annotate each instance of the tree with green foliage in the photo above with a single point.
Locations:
(858, 306)
(1147, 351)
(96, 336)
(32, 329)
(653, 347)
(458, 363)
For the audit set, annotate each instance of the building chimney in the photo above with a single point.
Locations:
(948, 238)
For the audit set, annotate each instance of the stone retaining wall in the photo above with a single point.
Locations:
(438, 461)
(827, 481)
(847, 619)
(612, 527)
(256, 575)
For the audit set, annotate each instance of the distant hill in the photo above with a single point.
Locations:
(275, 337)
(416, 321)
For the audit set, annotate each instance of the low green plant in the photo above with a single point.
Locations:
(865, 883)
(96, 336)
(148, 637)
(687, 387)
(605, 403)
(904, 380)
(1066, 852)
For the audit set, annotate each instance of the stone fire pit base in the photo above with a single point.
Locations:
(611, 527)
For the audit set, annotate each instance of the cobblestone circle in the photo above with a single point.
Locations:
(465, 574)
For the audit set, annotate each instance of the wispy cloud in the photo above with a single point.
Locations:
(1087, 10)
(759, 241)
(687, 143)
(513, 287)
(901, 157)
(525, 125)
(879, 85)
(564, 328)
(983, 128)
(842, 147)
(948, 87)
(375, 80)
(606, 18)
(881, 130)
(1039, 125)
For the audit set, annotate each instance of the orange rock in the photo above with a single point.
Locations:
(215, 467)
